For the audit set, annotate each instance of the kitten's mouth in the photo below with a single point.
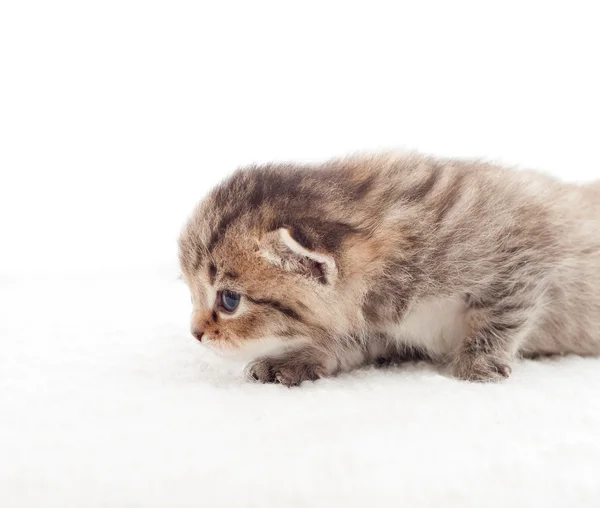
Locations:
(210, 342)
(243, 349)
(220, 346)
(230, 351)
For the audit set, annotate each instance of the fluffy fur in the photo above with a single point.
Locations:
(375, 258)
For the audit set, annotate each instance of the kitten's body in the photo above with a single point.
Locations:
(374, 257)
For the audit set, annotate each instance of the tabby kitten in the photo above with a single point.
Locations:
(312, 270)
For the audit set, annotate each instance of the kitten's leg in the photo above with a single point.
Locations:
(289, 369)
(490, 345)
(400, 353)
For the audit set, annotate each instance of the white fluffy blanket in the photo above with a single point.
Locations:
(105, 400)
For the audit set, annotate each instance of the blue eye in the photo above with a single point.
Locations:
(230, 300)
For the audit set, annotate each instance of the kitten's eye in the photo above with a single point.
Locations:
(230, 300)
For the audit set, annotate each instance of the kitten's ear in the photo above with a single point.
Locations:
(283, 250)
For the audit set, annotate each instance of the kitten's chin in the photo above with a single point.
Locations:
(244, 351)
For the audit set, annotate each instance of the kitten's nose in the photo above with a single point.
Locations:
(198, 333)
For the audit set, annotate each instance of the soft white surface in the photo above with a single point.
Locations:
(117, 116)
(107, 401)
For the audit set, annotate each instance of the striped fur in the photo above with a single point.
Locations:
(366, 258)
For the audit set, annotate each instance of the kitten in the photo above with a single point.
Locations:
(313, 270)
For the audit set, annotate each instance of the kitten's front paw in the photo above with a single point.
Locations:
(285, 371)
(481, 368)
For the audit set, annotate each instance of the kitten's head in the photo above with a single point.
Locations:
(264, 272)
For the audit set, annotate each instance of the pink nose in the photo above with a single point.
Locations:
(196, 332)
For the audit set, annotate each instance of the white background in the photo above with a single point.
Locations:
(117, 116)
